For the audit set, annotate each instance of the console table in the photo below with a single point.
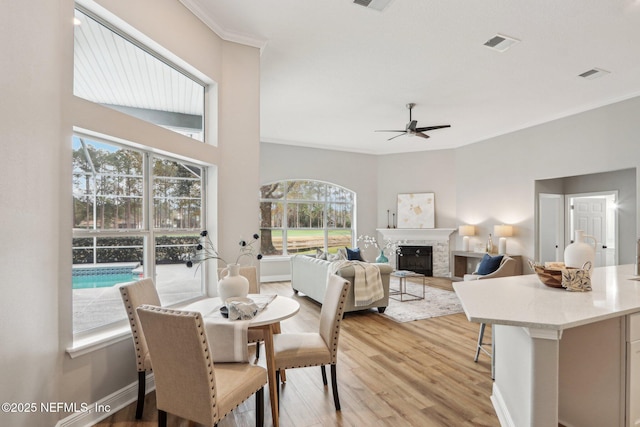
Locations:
(461, 262)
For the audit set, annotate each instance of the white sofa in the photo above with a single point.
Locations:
(309, 276)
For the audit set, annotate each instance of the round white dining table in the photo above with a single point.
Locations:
(268, 320)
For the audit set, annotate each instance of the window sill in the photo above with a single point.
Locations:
(97, 340)
(92, 341)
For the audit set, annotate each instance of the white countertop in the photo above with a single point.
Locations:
(525, 301)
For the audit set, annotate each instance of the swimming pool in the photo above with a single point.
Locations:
(102, 280)
(103, 276)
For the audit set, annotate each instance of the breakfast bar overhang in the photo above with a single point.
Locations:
(562, 357)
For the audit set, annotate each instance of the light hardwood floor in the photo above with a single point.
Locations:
(417, 373)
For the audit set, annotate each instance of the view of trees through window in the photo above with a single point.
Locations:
(303, 215)
(115, 240)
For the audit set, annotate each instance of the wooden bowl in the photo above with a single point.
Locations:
(551, 278)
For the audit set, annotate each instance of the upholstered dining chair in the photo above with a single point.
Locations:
(297, 350)
(508, 266)
(251, 273)
(134, 295)
(188, 383)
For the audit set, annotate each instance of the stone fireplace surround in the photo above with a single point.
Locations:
(437, 238)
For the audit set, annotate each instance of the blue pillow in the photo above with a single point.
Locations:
(489, 264)
(354, 254)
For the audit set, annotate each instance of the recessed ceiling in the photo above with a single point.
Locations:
(333, 71)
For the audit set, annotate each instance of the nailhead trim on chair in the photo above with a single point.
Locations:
(134, 330)
(336, 334)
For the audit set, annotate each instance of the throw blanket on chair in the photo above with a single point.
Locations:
(367, 283)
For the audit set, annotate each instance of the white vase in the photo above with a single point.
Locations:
(579, 252)
(232, 284)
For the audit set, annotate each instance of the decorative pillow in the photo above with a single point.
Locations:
(338, 256)
(489, 264)
(354, 254)
(320, 254)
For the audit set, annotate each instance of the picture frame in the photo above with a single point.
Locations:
(416, 210)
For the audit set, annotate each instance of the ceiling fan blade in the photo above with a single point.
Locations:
(421, 135)
(394, 137)
(390, 130)
(428, 128)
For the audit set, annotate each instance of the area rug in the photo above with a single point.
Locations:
(437, 302)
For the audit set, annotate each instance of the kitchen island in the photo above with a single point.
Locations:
(562, 357)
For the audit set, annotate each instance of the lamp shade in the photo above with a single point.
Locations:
(503, 230)
(466, 230)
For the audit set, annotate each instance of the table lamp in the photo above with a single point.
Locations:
(465, 231)
(502, 231)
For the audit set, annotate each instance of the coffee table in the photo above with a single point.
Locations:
(401, 294)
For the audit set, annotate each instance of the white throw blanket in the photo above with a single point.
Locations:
(367, 282)
(227, 339)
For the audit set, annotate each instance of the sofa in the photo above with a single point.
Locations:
(309, 276)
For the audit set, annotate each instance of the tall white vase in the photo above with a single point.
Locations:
(232, 284)
(579, 252)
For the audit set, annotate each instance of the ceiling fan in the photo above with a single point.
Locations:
(412, 129)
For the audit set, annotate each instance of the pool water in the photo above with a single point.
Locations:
(102, 280)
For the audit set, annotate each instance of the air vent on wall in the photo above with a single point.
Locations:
(379, 5)
(500, 42)
(594, 73)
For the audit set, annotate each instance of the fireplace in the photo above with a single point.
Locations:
(418, 259)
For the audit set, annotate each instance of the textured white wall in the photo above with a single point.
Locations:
(38, 112)
(31, 137)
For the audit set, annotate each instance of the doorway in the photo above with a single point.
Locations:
(553, 198)
(596, 214)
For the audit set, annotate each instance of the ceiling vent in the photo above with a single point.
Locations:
(594, 73)
(500, 42)
(378, 5)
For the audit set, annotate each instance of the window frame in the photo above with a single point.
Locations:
(325, 202)
(146, 49)
(147, 231)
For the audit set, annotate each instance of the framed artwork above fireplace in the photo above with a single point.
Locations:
(416, 210)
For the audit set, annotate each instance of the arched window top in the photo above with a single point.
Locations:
(304, 216)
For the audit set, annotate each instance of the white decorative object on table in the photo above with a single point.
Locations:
(232, 284)
(579, 252)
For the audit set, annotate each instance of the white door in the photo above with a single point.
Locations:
(590, 215)
(550, 227)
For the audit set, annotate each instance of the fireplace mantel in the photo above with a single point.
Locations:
(409, 234)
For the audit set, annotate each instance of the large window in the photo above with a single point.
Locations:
(116, 71)
(302, 216)
(135, 215)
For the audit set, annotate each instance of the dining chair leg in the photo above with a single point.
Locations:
(334, 385)
(260, 407)
(278, 386)
(162, 418)
(324, 375)
(142, 385)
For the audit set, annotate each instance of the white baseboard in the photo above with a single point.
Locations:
(106, 406)
(501, 408)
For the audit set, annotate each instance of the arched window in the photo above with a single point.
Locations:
(301, 216)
